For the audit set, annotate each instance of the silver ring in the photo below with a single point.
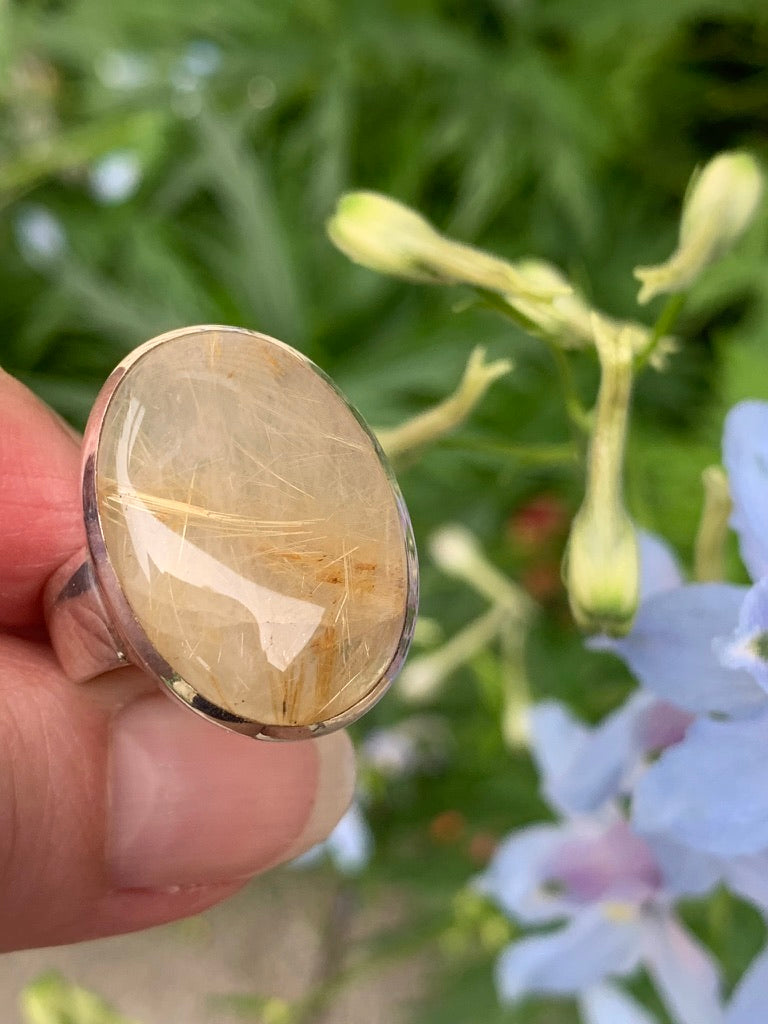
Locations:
(247, 544)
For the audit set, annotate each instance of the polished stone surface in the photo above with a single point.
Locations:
(254, 532)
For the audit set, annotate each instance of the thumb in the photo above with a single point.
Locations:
(120, 811)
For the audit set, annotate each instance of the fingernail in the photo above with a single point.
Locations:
(192, 804)
(336, 785)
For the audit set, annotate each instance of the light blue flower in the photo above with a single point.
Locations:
(611, 890)
(659, 567)
(606, 1004)
(607, 886)
(582, 768)
(703, 647)
(673, 649)
(745, 455)
(710, 791)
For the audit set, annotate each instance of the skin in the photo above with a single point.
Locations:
(91, 843)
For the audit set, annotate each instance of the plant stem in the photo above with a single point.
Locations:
(709, 550)
(669, 314)
(578, 417)
(545, 454)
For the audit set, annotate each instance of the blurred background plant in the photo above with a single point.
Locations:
(168, 164)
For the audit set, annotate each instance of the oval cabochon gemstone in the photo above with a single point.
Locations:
(252, 527)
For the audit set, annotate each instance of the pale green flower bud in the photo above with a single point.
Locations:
(603, 570)
(384, 235)
(719, 205)
(602, 561)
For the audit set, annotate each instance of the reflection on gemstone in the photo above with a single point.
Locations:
(286, 624)
(253, 529)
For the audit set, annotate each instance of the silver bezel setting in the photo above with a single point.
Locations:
(135, 646)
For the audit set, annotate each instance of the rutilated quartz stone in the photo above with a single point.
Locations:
(252, 526)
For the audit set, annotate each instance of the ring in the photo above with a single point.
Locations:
(247, 544)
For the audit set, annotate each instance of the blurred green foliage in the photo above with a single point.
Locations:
(53, 1000)
(561, 128)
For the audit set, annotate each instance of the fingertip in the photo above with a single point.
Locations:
(191, 804)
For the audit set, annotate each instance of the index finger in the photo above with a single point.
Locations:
(41, 519)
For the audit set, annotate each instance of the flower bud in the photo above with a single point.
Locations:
(719, 205)
(602, 560)
(384, 235)
(603, 570)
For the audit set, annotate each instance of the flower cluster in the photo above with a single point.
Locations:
(665, 799)
(687, 756)
(702, 646)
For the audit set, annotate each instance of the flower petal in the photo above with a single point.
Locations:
(581, 768)
(603, 861)
(685, 871)
(584, 952)
(745, 454)
(517, 871)
(660, 725)
(710, 791)
(747, 648)
(750, 1000)
(659, 568)
(605, 759)
(683, 971)
(606, 1004)
(556, 737)
(548, 872)
(671, 649)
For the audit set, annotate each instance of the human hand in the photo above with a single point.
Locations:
(119, 809)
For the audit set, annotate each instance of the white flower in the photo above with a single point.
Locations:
(115, 177)
(39, 235)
